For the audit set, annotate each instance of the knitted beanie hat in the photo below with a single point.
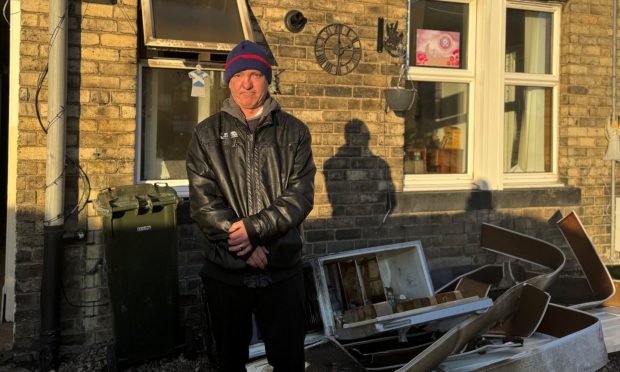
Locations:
(247, 55)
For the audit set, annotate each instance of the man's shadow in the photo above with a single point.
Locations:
(359, 183)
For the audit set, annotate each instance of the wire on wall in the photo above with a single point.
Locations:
(6, 3)
(84, 198)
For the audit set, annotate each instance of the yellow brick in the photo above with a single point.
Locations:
(128, 112)
(127, 139)
(29, 19)
(117, 125)
(94, 112)
(119, 41)
(96, 24)
(94, 81)
(39, 6)
(97, 10)
(119, 69)
(89, 38)
(29, 49)
(126, 13)
(124, 97)
(98, 140)
(128, 84)
(100, 54)
(31, 153)
(127, 27)
(38, 35)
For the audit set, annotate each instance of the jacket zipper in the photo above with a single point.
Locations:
(252, 175)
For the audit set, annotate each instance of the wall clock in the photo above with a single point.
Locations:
(337, 49)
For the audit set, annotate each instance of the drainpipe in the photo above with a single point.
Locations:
(614, 62)
(55, 186)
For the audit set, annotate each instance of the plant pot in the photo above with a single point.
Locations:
(399, 99)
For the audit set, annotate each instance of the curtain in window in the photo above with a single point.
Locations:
(531, 141)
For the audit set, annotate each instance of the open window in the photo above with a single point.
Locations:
(197, 25)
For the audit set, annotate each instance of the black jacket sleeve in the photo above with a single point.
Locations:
(207, 205)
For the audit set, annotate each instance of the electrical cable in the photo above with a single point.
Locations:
(126, 16)
(36, 97)
(6, 2)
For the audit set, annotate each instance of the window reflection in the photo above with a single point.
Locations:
(442, 28)
(528, 41)
(527, 129)
(169, 115)
(436, 134)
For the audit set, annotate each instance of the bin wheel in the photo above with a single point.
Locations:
(112, 360)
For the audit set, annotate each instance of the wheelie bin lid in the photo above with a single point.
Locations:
(131, 197)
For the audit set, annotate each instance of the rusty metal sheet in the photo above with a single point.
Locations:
(596, 273)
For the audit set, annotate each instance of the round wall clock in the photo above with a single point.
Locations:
(337, 49)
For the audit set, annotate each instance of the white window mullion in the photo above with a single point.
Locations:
(490, 95)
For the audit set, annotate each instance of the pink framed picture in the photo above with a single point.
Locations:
(437, 48)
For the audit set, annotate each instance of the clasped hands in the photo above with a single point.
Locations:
(239, 243)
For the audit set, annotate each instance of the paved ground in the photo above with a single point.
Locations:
(95, 360)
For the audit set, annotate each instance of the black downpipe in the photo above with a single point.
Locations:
(50, 297)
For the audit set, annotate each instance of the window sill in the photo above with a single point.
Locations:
(434, 201)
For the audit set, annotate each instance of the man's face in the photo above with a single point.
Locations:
(249, 89)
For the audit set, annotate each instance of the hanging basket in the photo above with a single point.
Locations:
(399, 99)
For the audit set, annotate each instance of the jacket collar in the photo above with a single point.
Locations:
(230, 106)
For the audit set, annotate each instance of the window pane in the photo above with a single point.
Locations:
(527, 129)
(438, 34)
(436, 133)
(197, 20)
(169, 114)
(528, 41)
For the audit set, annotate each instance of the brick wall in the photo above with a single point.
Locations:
(586, 69)
(100, 115)
(358, 148)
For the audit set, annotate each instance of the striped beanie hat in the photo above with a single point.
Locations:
(247, 55)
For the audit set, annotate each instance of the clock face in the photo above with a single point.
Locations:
(337, 49)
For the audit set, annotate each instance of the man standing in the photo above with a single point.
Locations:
(251, 176)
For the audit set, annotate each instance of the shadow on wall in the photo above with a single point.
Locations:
(357, 181)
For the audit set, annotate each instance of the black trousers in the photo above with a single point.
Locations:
(279, 312)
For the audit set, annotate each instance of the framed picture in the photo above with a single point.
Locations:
(437, 48)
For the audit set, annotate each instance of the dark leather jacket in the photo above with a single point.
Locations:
(265, 178)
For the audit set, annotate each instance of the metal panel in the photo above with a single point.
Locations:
(349, 291)
(595, 271)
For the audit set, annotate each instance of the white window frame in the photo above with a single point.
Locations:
(486, 76)
(180, 185)
(551, 80)
(413, 182)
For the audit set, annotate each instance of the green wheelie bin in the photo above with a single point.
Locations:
(139, 229)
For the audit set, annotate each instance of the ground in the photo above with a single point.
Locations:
(94, 360)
